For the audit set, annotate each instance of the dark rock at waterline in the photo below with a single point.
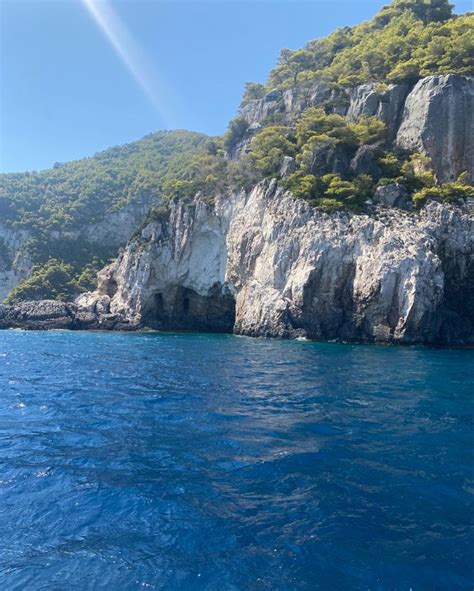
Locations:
(53, 315)
(40, 315)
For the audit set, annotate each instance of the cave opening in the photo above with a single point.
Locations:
(111, 287)
(158, 306)
(182, 308)
(186, 305)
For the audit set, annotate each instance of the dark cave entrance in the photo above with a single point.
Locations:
(159, 307)
(186, 305)
(111, 287)
(181, 308)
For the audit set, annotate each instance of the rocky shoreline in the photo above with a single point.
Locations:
(50, 315)
(262, 263)
(266, 265)
(53, 315)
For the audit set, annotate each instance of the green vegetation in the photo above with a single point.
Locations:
(316, 138)
(330, 192)
(71, 195)
(269, 147)
(322, 142)
(235, 133)
(448, 192)
(54, 279)
(253, 90)
(54, 205)
(407, 40)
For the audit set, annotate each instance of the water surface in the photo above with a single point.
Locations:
(197, 462)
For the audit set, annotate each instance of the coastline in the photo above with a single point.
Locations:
(50, 315)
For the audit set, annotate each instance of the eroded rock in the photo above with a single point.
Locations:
(265, 264)
(393, 195)
(438, 121)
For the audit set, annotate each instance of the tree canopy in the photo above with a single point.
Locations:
(405, 41)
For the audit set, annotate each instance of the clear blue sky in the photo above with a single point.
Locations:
(66, 92)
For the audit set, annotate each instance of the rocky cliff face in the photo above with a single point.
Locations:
(109, 233)
(384, 278)
(438, 120)
(435, 117)
(173, 276)
(14, 263)
(264, 264)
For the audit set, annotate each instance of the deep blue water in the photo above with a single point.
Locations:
(197, 462)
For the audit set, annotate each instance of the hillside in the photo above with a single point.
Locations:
(74, 193)
(338, 124)
(332, 110)
(406, 41)
(66, 222)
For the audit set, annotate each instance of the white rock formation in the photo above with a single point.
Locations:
(435, 117)
(14, 264)
(293, 271)
(438, 120)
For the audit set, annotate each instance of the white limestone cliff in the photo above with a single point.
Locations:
(438, 120)
(265, 264)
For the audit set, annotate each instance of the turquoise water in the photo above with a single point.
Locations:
(197, 462)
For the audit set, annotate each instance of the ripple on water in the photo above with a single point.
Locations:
(216, 462)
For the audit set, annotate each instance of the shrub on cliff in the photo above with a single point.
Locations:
(51, 280)
(235, 133)
(269, 147)
(55, 280)
(302, 186)
(449, 192)
(253, 90)
(329, 205)
(407, 40)
(325, 145)
(315, 123)
(330, 190)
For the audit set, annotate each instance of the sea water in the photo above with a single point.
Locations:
(200, 462)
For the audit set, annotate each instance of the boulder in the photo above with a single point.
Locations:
(393, 195)
(438, 122)
(288, 166)
(365, 162)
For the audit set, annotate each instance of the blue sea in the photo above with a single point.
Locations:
(201, 462)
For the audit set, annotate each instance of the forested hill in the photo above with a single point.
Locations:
(66, 222)
(70, 195)
(407, 40)
(325, 122)
(57, 227)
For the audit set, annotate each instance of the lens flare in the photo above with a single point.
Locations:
(130, 53)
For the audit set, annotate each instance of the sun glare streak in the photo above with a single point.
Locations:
(130, 53)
